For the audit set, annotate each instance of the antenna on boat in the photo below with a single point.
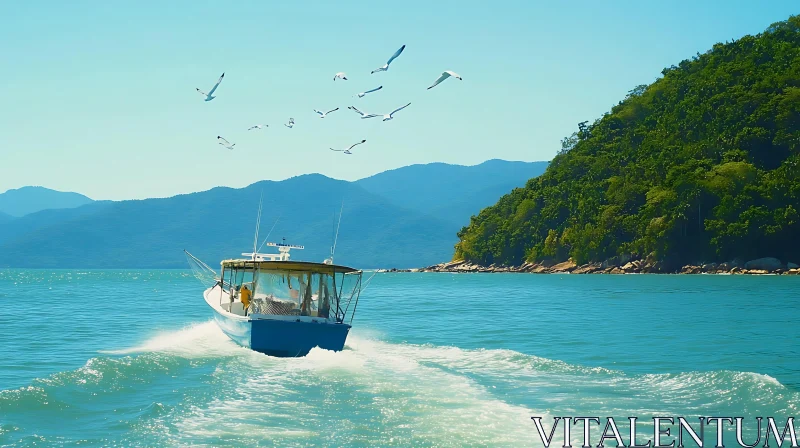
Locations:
(270, 233)
(336, 238)
(258, 224)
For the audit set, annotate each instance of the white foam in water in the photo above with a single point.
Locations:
(200, 339)
(377, 393)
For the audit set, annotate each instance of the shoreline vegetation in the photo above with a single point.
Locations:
(627, 264)
(702, 164)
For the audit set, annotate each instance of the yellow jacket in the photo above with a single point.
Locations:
(245, 294)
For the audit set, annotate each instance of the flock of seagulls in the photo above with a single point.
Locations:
(338, 76)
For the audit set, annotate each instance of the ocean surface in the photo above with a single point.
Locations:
(131, 358)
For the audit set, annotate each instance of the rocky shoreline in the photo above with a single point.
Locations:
(622, 265)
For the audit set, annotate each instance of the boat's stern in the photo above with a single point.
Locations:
(296, 337)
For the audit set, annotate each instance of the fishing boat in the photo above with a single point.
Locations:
(274, 305)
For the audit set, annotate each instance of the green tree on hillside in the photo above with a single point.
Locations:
(700, 165)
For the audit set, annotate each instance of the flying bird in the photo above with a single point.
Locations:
(386, 66)
(347, 151)
(361, 95)
(363, 115)
(290, 123)
(209, 96)
(258, 126)
(325, 114)
(340, 75)
(390, 115)
(225, 143)
(445, 75)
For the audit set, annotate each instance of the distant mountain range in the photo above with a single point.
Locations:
(406, 217)
(26, 200)
(451, 192)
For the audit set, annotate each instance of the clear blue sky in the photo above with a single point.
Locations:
(98, 96)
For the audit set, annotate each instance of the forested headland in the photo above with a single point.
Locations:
(699, 166)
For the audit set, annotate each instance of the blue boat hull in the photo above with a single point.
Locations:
(284, 338)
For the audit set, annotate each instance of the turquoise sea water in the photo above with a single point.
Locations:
(131, 358)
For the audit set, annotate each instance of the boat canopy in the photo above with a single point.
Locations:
(301, 266)
(290, 288)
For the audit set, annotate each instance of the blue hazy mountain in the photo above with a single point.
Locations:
(25, 200)
(451, 192)
(16, 227)
(5, 217)
(378, 229)
(220, 223)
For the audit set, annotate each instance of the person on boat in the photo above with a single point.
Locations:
(245, 294)
(325, 310)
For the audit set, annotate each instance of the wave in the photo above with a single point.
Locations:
(374, 391)
(198, 339)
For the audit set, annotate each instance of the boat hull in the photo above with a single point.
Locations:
(281, 336)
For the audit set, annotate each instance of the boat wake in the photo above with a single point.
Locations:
(199, 340)
(194, 386)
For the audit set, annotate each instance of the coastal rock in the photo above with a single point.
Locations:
(690, 269)
(654, 267)
(757, 271)
(587, 268)
(548, 262)
(725, 267)
(765, 264)
(526, 267)
(737, 270)
(539, 269)
(566, 266)
(708, 267)
(628, 267)
(444, 267)
(618, 260)
(616, 270)
(464, 267)
(632, 267)
(794, 271)
(737, 263)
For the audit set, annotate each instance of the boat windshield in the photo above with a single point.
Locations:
(290, 292)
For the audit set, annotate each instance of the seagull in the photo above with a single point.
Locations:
(446, 74)
(323, 115)
(386, 67)
(347, 151)
(340, 75)
(363, 115)
(225, 143)
(390, 115)
(361, 95)
(290, 123)
(258, 126)
(208, 95)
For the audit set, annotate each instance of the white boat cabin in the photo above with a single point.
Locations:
(269, 285)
